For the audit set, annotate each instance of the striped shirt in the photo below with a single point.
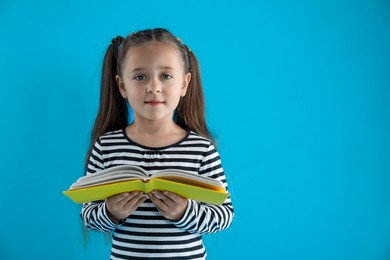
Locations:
(146, 233)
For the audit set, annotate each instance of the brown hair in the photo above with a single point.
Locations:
(113, 112)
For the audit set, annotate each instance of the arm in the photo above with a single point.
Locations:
(204, 218)
(95, 215)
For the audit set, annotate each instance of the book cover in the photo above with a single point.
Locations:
(119, 179)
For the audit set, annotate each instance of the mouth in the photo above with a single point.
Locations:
(154, 102)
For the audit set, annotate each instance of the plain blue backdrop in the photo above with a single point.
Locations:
(298, 93)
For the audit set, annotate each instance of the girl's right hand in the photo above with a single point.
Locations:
(122, 205)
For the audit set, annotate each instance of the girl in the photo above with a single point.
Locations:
(159, 77)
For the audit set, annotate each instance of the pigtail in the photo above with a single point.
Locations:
(190, 113)
(112, 112)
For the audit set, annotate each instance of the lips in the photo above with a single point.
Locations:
(154, 102)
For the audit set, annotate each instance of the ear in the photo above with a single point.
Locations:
(121, 86)
(187, 79)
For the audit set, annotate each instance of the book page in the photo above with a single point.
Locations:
(189, 178)
(113, 174)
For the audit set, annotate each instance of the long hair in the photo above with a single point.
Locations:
(113, 112)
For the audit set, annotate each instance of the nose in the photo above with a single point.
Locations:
(154, 86)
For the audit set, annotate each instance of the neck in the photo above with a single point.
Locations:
(155, 134)
(151, 128)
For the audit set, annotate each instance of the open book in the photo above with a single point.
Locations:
(126, 178)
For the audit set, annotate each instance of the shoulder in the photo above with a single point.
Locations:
(113, 134)
(117, 134)
(109, 138)
(194, 137)
(203, 143)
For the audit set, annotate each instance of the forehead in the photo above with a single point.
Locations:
(151, 54)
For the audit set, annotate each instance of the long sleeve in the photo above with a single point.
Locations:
(204, 218)
(93, 214)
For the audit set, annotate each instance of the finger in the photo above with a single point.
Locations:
(134, 194)
(133, 205)
(156, 193)
(134, 201)
(177, 203)
(160, 204)
(122, 198)
(173, 196)
(161, 195)
(117, 198)
(123, 209)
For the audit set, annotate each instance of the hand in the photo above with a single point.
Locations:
(122, 205)
(170, 205)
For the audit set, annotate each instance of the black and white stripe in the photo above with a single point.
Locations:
(146, 233)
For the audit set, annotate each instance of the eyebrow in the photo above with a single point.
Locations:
(161, 67)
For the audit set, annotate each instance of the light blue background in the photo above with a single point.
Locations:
(297, 91)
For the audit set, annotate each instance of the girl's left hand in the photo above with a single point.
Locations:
(170, 205)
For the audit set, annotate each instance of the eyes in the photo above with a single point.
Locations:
(139, 77)
(164, 76)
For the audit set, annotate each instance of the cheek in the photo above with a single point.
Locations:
(134, 89)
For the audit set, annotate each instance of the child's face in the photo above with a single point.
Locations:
(153, 80)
